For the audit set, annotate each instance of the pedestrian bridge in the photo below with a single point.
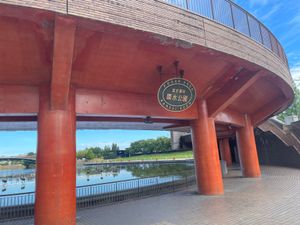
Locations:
(16, 158)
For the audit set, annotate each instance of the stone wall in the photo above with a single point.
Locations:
(51, 5)
(164, 20)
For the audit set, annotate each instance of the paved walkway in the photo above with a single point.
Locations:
(271, 200)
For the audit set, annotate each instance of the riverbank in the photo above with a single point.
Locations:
(12, 167)
(153, 158)
(173, 156)
(139, 162)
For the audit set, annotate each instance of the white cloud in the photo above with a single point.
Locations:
(273, 10)
(295, 71)
(258, 2)
(294, 58)
(295, 20)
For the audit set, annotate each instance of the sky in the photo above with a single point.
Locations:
(281, 17)
(22, 142)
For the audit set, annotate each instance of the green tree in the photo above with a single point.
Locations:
(163, 144)
(149, 146)
(136, 147)
(31, 154)
(294, 109)
(109, 152)
(115, 147)
(28, 164)
(81, 154)
(86, 154)
(97, 151)
(90, 154)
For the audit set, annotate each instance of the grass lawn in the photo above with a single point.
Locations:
(163, 156)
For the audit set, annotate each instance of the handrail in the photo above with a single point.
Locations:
(18, 194)
(235, 17)
(99, 184)
(114, 182)
(23, 206)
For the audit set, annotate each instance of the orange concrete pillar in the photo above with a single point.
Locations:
(56, 163)
(225, 151)
(247, 150)
(207, 163)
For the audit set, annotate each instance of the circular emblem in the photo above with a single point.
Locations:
(176, 94)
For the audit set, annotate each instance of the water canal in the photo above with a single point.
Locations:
(23, 180)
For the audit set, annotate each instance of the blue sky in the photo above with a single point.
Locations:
(281, 17)
(21, 142)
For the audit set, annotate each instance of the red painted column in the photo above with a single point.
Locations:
(247, 150)
(207, 163)
(56, 163)
(225, 151)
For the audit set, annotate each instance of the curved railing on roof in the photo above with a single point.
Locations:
(230, 14)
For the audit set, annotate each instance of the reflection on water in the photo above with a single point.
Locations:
(17, 181)
(20, 181)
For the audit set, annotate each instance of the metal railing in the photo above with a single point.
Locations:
(231, 15)
(22, 205)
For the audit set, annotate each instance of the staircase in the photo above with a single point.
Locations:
(288, 134)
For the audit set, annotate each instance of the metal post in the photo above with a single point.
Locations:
(260, 31)
(232, 18)
(272, 48)
(212, 9)
(173, 184)
(67, 6)
(248, 24)
(186, 181)
(138, 187)
(279, 50)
